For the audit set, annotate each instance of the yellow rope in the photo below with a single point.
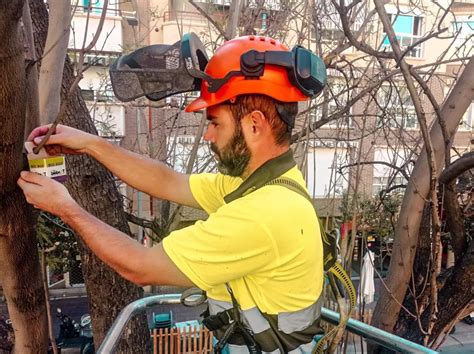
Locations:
(342, 275)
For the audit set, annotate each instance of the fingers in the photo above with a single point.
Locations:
(54, 149)
(39, 131)
(31, 177)
(25, 182)
(53, 139)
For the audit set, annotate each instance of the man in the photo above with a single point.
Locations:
(259, 254)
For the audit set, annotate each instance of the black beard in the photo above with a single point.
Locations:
(235, 156)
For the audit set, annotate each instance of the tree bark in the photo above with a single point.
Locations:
(456, 294)
(20, 273)
(406, 233)
(454, 217)
(420, 276)
(94, 188)
(55, 50)
(454, 221)
(32, 108)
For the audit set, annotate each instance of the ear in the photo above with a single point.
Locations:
(257, 123)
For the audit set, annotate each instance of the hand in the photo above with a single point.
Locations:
(45, 193)
(65, 140)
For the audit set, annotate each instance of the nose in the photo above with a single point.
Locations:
(209, 135)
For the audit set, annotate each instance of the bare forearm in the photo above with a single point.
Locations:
(145, 174)
(127, 257)
(115, 248)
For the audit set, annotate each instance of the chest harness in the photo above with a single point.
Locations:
(229, 322)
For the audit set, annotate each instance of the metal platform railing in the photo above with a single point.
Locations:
(373, 334)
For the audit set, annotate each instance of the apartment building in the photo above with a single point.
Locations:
(381, 127)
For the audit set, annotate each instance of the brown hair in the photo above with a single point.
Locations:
(246, 104)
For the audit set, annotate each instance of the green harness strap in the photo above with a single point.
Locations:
(331, 266)
(270, 173)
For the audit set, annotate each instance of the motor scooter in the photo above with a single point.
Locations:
(73, 335)
(7, 337)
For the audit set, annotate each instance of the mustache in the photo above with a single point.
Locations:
(214, 149)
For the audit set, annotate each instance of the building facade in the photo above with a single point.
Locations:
(368, 139)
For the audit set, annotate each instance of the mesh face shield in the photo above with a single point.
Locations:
(159, 71)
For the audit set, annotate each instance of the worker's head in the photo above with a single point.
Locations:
(260, 81)
(253, 65)
(250, 123)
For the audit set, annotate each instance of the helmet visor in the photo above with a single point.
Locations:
(158, 71)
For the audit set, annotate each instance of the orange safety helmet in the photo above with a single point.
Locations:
(274, 82)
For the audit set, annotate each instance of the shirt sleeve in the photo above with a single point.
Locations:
(226, 246)
(209, 189)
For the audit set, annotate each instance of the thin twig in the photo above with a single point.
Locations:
(74, 85)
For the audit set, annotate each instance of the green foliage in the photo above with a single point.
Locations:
(58, 241)
(379, 216)
(375, 215)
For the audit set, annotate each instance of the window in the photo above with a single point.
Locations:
(87, 95)
(327, 26)
(323, 177)
(264, 18)
(273, 5)
(386, 176)
(464, 31)
(331, 33)
(179, 151)
(95, 6)
(338, 95)
(467, 122)
(98, 95)
(181, 99)
(382, 183)
(407, 30)
(221, 2)
(104, 59)
(396, 108)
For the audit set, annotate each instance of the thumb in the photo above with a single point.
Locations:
(32, 177)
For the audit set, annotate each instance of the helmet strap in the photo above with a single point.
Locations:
(286, 116)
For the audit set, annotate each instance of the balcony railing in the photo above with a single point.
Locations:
(169, 16)
(98, 58)
(111, 11)
(130, 16)
(98, 95)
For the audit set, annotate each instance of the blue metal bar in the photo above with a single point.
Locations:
(385, 339)
(112, 338)
(374, 334)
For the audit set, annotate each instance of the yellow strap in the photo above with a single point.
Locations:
(342, 275)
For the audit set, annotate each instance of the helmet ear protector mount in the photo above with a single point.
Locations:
(306, 71)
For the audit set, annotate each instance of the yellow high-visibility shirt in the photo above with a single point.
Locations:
(266, 245)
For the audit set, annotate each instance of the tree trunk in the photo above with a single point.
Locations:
(455, 295)
(406, 233)
(20, 273)
(51, 73)
(93, 187)
(420, 276)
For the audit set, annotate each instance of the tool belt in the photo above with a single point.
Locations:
(230, 320)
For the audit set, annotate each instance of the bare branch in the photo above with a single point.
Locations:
(458, 167)
(210, 19)
(395, 167)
